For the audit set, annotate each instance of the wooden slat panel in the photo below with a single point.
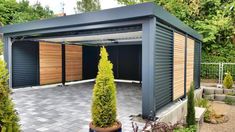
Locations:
(50, 63)
(190, 62)
(73, 55)
(179, 54)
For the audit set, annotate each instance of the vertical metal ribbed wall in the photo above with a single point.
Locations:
(163, 66)
(25, 66)
(197, 65)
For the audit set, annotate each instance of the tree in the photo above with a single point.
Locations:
(12, 12)
(214, 19)
(104, 111)
(190, 118)
(8, 116)
(87, 5)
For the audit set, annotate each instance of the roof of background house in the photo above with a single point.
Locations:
(108, 15)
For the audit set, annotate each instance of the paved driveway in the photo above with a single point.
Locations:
(67, 109)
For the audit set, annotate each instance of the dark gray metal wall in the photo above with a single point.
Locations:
(25, 63)
(126, 60)
(197, 64)
(163, 66)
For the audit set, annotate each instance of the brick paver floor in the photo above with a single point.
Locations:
(67, 109)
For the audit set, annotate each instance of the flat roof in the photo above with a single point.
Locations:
(103, 16)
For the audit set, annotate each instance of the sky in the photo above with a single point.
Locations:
(56, 5)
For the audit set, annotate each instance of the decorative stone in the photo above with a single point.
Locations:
(219, 91)
(213, 121)
(220, 97)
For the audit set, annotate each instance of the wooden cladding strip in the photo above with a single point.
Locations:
(50, 63)
(190, 62)
(73, 64)
(179, 59)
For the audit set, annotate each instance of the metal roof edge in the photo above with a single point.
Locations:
(119, 13)
(164, 15)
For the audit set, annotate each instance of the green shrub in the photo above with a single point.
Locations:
(104, 93)
(231, 94)
(228, 80)
(205, 104)
(190, 119)
(192, 128)
(8, 117)
(229, 101)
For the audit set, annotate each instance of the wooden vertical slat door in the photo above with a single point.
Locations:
(190, 62)
(50, 63)
(73, 62)
(179, 60)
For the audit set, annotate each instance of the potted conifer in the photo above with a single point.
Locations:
(104, 111)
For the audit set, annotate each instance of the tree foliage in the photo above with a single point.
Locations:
(104, 93)
(12, 12)
(87, 5)
(190, 118)
(8, 116)
(214, 19)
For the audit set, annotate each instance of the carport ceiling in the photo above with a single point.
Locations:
(101, 38)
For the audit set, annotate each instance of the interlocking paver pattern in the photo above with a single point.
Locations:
(67, 109)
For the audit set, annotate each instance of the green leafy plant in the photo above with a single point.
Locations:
(231, 94)
(8, 116)
(190, 118)
(229, 101)
(205, 104)
(192, 128)
(104, 93)
(228, 81)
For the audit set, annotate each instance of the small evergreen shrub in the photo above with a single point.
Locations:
(190, 119)
(104, 94)
(8, 116)
(228, 81)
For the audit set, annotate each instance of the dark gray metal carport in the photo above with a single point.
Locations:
(157, 27)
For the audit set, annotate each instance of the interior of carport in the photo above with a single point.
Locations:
(61, 58)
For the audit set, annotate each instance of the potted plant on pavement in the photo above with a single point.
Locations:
(104, 111)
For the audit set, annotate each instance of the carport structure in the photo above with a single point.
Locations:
(144, 41)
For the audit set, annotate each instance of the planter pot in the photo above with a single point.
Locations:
(208, 91)
(226, 91)
(219, 91)
(115, 128)
(209, 97)
(220, 97)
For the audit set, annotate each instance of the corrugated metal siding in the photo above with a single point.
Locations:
(163, 66)
(197, 65)
(126, 64)
(25, 66)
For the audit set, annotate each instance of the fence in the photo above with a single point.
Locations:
(215, 72)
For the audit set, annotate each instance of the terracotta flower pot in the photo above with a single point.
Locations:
(115, 128)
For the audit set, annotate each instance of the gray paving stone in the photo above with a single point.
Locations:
(67, 109)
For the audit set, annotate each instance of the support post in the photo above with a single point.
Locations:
(148, 48)
(185, 66)
(8, 57)
(63, 65)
